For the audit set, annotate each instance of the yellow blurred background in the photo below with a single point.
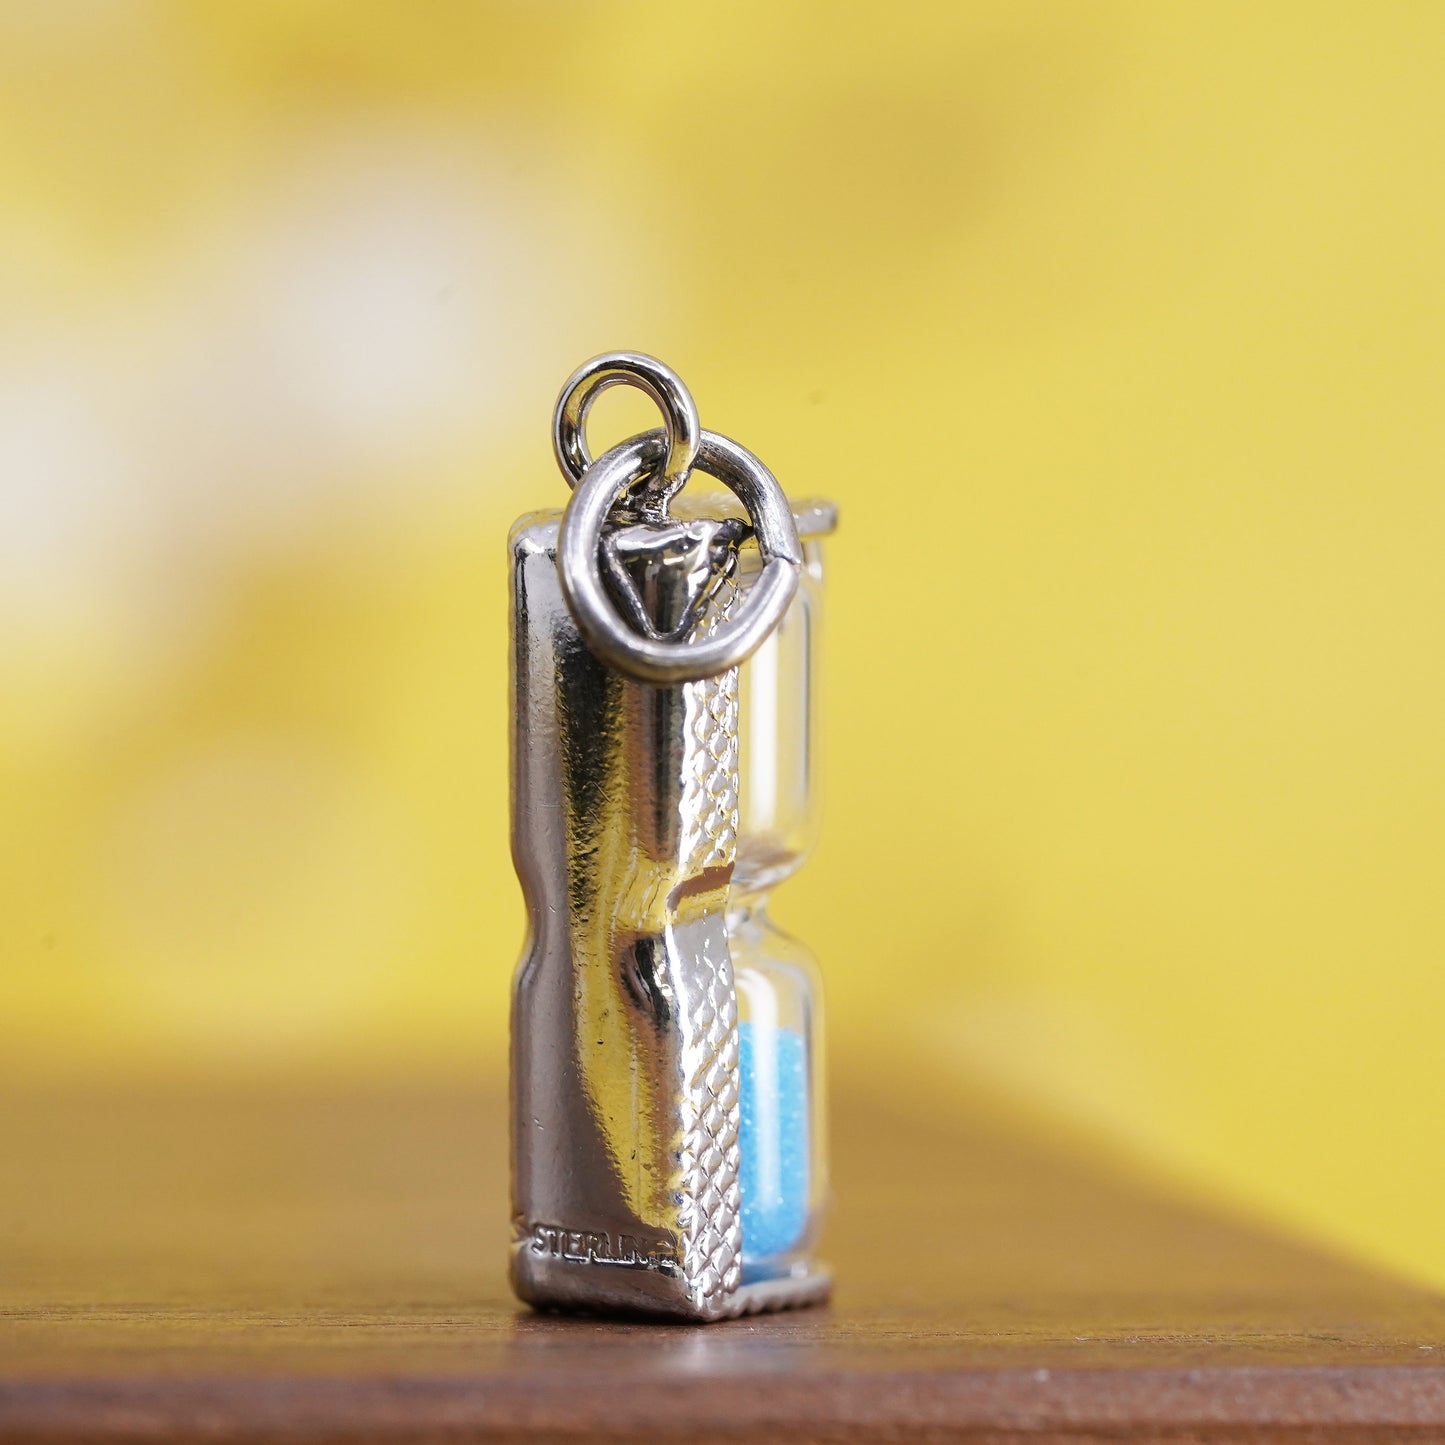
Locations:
(1115, 329)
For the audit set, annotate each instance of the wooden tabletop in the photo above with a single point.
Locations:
(284, 1265)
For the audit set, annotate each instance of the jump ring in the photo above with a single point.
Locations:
(762, 606)
(662, 384)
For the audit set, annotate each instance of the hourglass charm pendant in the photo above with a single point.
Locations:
(667, 1141)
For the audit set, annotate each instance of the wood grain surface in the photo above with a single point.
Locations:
(280, 1265)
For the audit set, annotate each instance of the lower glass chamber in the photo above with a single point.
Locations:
(783, 1133)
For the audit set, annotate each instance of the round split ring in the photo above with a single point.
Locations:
(762, 607)
(663, 385)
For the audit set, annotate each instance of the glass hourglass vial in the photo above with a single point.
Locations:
(784, 1162)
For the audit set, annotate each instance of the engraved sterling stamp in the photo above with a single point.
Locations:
(590, 1246)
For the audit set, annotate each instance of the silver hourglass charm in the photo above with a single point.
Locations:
(667, 1095)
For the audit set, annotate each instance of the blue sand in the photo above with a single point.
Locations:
(773, 1138)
